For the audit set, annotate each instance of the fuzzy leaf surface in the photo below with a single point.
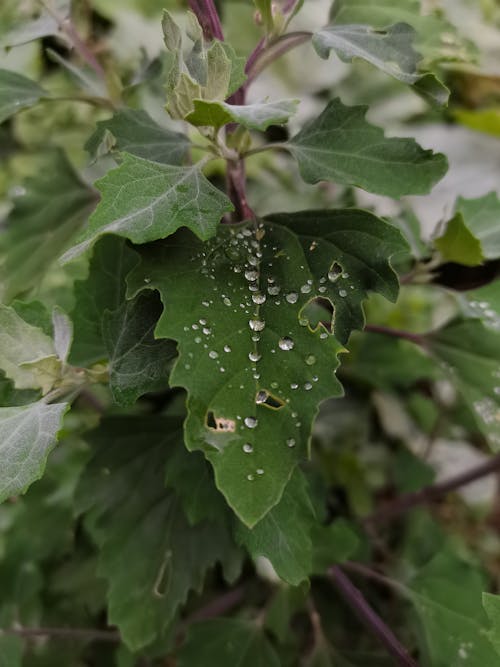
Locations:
(470, 355)
(339, 145)
(138, 363)
(17, 92)
(253, 116)
(135, 132)
(27, 435)
(145, 201)
(149, 554)
(227, 642)
(44, 218)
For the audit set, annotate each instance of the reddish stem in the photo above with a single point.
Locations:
(418, 339)
(207, 15)
(370, 618)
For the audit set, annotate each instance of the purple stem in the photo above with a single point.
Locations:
(396, 333)
(370, 618)
(207, 15)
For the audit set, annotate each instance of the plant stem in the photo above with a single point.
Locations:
(206, 13)
(431, 493)
(418, 339)
(218, 606)
(82, 634)
(263, 57)
(370, 618)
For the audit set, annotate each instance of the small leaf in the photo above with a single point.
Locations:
(341, 146)
(17, 92)
(151, 568)
(481, 216)
(135, 132)
(283, 536)
(469, 352)
(63, 333)
(103, 290)
(145, 201)
(27, 355)
(51, 209)
(227, 642)
(137, 362)
(458, 244)
(27, 435)
(253, 116)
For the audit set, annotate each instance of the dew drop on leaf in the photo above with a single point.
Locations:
(254, 356)
(250, 422)
(256, 325)
(290, 442)
(247, 448)
(292, 297)
(335, 272)
(286, 343)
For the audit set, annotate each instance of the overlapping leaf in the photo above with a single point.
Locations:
(253, 116)
(149, 554)
(17, 92)
(470, 355)
(145, 201)
(135, 132)
(482, 218)
(484, 303)
(254, 370)
(27, 434)
(342, 147)
(45, 217)
(458, 243)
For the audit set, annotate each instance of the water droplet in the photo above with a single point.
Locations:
(205, 303)
(250, 478)
(202, 322)
(308, 386)
(260, 471)
(303, 321)
(227, 348)
(254, 356)
(305, 289)
(286, 343)
(292, 297)
(259, 298)
(222, 370)
(274, 385)
(335, 272)
(226, 301)
(294, 385)
(323, 335)
(261, 396)
(147, 280)
(274, 290)
(197, 339)
(194, 327)
(342, 292)
(290, 442)
(207, 331)
(310, 359)
(213, 354)
(257, 325)
(251, 274)
(247, 448)
(250, 422)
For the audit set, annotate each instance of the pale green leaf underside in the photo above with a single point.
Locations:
(42, 222)
(135, 132)
(145, 201)
(27, 435)
(484, 303)
(149, 555)
(17, 92)
(470, 353)
(482, 218)
(235, 306)
(227, 642)
(253, 116)
(458, 243)
(342, 147)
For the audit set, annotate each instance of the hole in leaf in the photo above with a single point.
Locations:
(220, 424)
(263, 397)
(318, 311)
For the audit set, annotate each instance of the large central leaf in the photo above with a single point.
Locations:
(254, 363)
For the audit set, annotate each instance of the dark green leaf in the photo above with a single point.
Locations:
(342, 147)
(27, 435)
(145, 201)
(17, 92)
(332, 544)
(11, 651)
(137, 362)
(149, 554)
(491, 605)
(226, 643)
(45, 217)
(135, 132)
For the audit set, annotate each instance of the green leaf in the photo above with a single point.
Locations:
(481, 218)
(389, 49)
(149, 554)
(17, 92)
(469, 355)
(265, 9)
(27, 435)
(48, 213)
(341, 146)
(145, 201)
(331, 544)
(238, 76)
(491, 605)
(11, 651)
(484, 303)
(103, 290)
(283, 536)
(436, 38)
(135, 132)
(227, 642)
(253, 116)
(27, 355)
(446, 594)
(458, 244)
(253, 373)
(137, 362)
(344, 242)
